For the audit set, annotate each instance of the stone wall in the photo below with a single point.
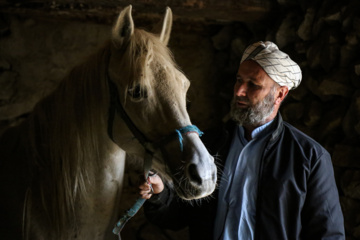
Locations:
(322, 36)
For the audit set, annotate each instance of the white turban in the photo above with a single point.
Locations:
(275, 63)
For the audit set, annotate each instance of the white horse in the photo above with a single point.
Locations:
(61, 171)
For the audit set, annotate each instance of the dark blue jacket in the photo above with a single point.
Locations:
(297, 193)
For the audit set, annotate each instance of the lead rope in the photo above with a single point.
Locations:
(139, 202)
(147, 167)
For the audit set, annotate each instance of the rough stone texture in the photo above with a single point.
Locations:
(351, 184)
(40, 53)
(322, 36)
(304, 31)
(104, 10)
(346, 156)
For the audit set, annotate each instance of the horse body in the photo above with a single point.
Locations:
(64, 177)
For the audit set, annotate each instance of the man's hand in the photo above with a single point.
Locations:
(157, 186)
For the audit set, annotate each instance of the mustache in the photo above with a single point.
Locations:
(242, 99)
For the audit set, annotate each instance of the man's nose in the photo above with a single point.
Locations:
(240, 90)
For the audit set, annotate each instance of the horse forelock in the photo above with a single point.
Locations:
(148, 60)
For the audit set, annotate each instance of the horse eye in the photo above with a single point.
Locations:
(137, 92)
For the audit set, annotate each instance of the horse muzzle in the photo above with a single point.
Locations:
(192, 170)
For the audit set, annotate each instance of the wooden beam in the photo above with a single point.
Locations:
(105, 10)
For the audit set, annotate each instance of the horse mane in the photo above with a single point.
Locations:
(66, 138)
(67, 131)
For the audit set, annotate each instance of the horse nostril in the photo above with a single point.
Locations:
(194, 174)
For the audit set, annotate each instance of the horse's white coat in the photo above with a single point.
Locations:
(76, 170)
(106, 204)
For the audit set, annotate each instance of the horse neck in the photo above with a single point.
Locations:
(68, 140)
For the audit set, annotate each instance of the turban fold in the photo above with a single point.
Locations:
(275, 63)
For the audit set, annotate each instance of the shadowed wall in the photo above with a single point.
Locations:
(40, 42)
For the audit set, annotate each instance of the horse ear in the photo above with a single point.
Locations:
(124, 27)
(166, 28)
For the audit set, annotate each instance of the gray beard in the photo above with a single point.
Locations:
(255, 114)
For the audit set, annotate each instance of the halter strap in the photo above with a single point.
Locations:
(115, 106)
(186, 130)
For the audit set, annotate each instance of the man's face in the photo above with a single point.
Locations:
(254, 95)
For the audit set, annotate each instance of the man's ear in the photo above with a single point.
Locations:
(281, 93)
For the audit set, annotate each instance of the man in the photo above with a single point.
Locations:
(277, 183)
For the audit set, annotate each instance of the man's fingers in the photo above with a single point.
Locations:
(145, 191)
(144, 187)
(146, 196)
(155, 179)
(154, 185)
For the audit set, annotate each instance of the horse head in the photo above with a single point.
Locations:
(152, 93)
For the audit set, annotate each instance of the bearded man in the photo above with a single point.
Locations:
(276, 182)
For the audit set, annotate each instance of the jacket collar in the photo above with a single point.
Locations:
(277, 125)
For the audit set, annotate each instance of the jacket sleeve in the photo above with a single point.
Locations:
(322, 217)
(166, 210)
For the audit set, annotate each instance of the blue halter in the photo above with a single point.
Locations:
(185, 130)
(147, 166)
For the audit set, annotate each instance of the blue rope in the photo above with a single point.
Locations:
(129, 214)
(147, 165)
(189, 128)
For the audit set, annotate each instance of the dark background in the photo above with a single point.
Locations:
(41, 40)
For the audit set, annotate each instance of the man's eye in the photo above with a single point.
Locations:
(255, 86)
